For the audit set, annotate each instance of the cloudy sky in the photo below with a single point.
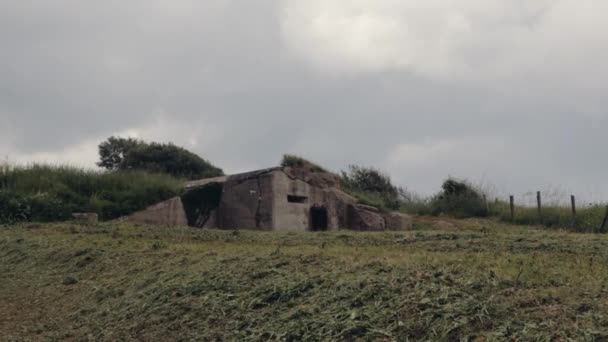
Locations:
(510, 94)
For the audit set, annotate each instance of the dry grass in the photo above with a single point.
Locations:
(471, 280)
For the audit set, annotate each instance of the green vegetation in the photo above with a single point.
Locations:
(477, 280)
(112, 152)
(297, 162)
(52, 193)
(460, 199)
(371, 187)
(587, 219)
(132, 154)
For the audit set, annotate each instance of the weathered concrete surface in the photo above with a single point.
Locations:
(321, 180)
(169, 213)
(398, 221)
(246, 203)
(363, 217)
(337, 203)
(287, 215)
(279, 199)
(86, 217)
(207, 181)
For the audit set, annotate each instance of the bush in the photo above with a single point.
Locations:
(132, 154)
(169, 159)
(296, 162)
(371, 187)
(53, 193)
(38, 207)
(113, 151)
(13, 208)
(459, 198)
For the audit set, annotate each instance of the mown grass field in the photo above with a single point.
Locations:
(447, 280)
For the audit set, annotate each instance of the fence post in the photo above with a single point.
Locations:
(604, 222)
(573, 203)
(539, 204)
(512, 202)
(485, 200)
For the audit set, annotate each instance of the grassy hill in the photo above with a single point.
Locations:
(446, 280)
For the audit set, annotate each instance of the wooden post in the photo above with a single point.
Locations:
(512, 201)
(485, 200)
(539, 203)
(573, 202)
(604, 222)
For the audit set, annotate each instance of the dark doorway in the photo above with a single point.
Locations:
(199, 203)
(318, 218)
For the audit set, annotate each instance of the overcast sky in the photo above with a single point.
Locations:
(507, 93)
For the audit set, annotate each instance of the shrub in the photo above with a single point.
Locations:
(169, 159)
(459, 198)
(13, 208)
(132, 154)
(371, 187)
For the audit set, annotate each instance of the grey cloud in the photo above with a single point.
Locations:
(224, 79)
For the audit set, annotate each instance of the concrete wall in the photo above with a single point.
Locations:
(296, 216)
(169, 213)
(246, 203)
(288, 216)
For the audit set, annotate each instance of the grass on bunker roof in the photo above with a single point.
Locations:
(472, 280)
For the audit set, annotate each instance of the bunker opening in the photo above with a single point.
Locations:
(319, 219)
(297, 199)
(200, 204)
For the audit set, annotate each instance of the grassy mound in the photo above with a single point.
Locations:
(52, 193)
(479, 281)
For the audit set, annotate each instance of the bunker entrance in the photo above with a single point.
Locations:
(200, 204)
(318, 219)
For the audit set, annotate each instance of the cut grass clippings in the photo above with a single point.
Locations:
(481, 280)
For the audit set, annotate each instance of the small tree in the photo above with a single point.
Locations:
(112, 151)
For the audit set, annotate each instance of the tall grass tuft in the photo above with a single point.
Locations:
(293, 161)
(41, 192)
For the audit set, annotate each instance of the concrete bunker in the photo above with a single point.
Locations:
(279, 199)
